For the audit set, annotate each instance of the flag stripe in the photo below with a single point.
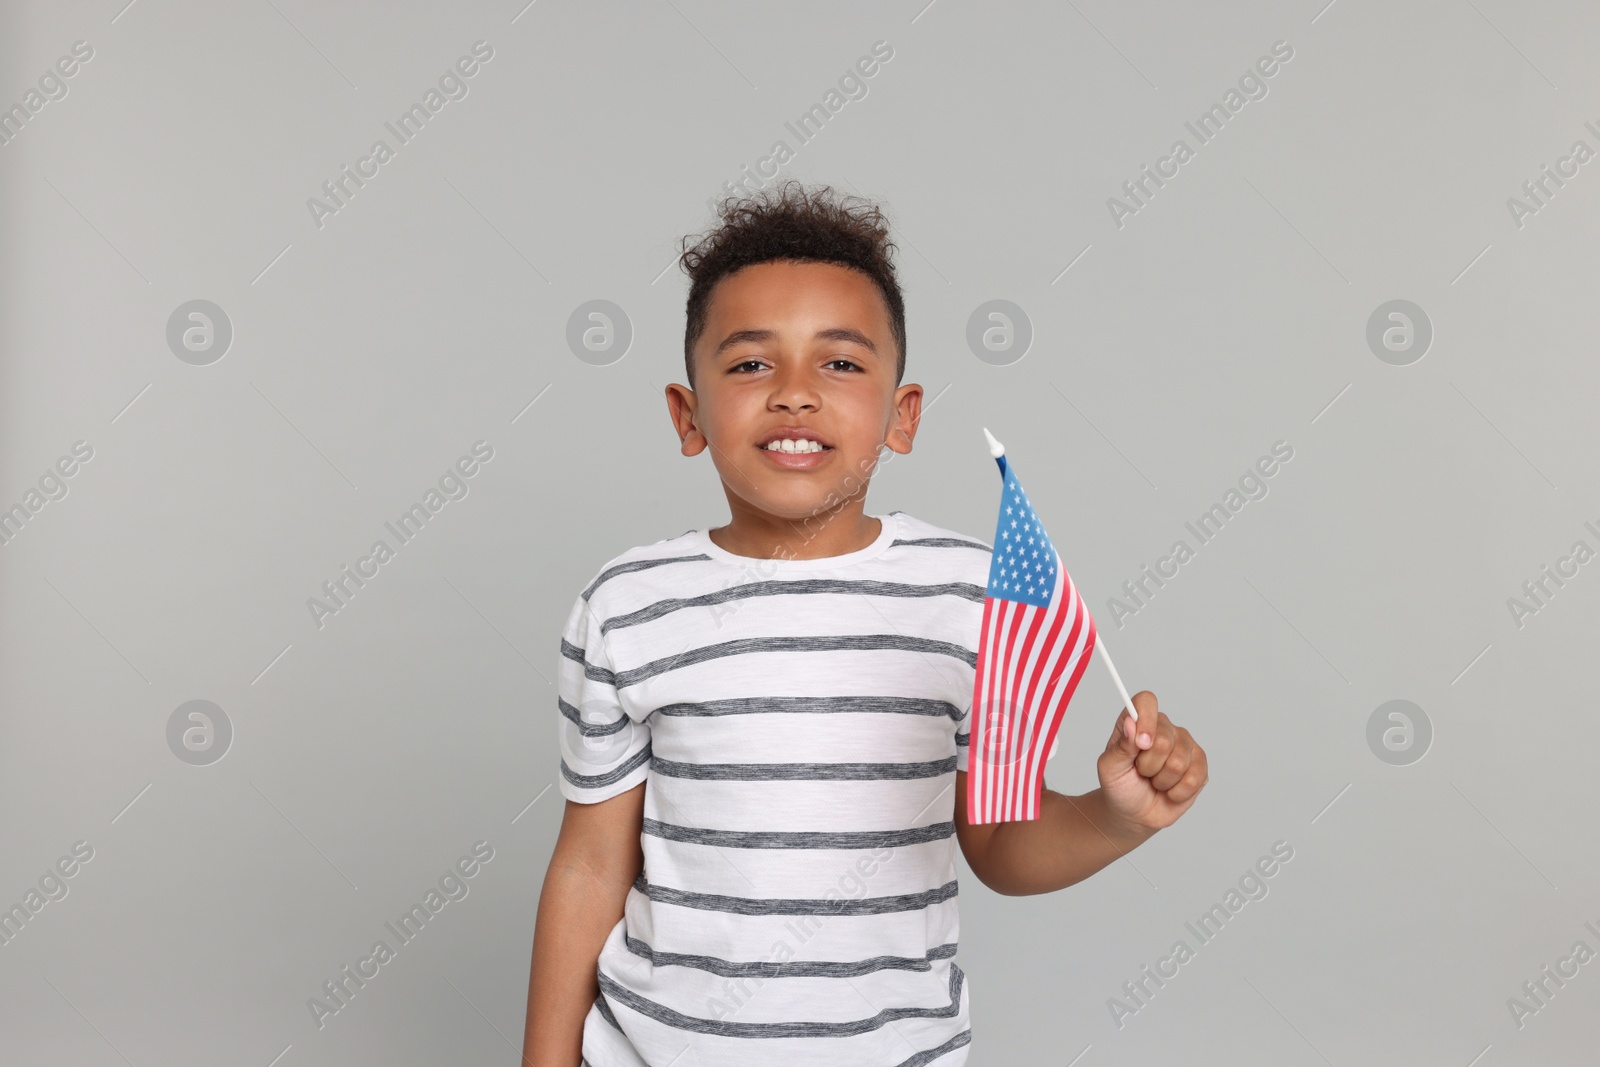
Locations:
(1088, 637)
(1015, 710)
(1016, 717)
(1053, 699)
(978, 741)
(1027, 667)
(1071, 617)
(980, 780)
(1039, 669)
(978, 726)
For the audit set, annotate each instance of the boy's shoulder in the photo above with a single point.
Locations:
(642, 557)
(919, 532)
(938, 551)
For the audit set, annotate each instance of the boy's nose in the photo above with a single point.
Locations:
(792, 390)
(794, 397)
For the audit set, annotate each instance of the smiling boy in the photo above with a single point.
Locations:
(764, 724)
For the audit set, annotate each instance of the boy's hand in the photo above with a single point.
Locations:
(1151, 779)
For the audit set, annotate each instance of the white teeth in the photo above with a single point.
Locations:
(791, 445)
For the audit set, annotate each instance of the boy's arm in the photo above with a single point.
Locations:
(1072, 838)
(1143, 788)
(596, 858)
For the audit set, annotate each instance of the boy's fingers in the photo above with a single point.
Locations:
(1150, 758)
(1168, 759)
(1145, 703)
(1122, 737)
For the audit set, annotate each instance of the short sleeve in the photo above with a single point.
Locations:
(603, 751)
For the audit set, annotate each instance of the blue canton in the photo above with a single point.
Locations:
(1023, 567)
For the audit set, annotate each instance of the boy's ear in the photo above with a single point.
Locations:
(681, 405)
(907, 416)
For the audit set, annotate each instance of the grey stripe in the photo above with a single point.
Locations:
(937, 831)
(943, 542)
(888, 905)
(591, 729)
(722, 1028)
(804, 772)
(802, 643)
(798, 587)
(605, 1012)
(615, 774)
(886, 705)
(599, 674)
(638, 565)
(792, 968)
(929, 1055)
(964, 739)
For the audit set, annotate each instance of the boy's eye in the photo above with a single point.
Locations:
(737, 367)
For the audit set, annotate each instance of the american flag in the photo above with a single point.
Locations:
(1036, 638)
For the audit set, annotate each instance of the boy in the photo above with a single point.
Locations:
(764, 725)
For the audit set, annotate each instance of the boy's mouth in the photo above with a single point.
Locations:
(794, 447)
(793, 439)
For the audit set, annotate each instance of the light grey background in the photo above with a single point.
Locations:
(431, 312)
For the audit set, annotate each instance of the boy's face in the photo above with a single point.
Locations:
(795, 344)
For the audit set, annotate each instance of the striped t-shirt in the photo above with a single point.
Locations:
(798, 724)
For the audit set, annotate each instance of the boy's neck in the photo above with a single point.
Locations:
(763, 536)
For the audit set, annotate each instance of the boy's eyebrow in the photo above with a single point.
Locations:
(835, 333)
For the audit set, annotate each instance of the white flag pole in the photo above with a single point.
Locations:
(996, 449)
(1122, 690)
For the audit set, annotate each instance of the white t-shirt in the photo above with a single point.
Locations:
(798, 723)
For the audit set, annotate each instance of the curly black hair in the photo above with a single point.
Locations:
(792, 222)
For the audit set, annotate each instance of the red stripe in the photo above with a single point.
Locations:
(980, 711)
(1010, 613)
(1072, 686)
(975, 776)
(1042, 709)
(1057, 697)
(1018, 712)
(977, 765)
(1023, 774)
(1004, 623)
